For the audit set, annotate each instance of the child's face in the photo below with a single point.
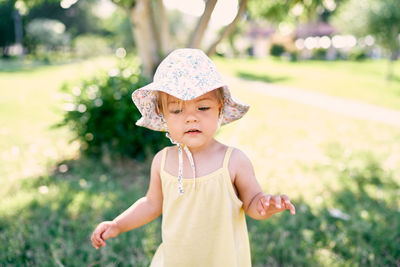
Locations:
(193, 122)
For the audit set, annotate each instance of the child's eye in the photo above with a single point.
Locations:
(204, 108)
(176, 111)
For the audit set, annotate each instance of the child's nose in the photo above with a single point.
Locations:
(190, 117)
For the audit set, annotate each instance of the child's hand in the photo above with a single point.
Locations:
(104, 231)
(274, 204)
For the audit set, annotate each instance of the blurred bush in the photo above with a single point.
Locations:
(294, 55)
(358, 55)
(90, 45)
(118, 30)
(277, 50)
(319, 54)
(102, 116)
(46, 35)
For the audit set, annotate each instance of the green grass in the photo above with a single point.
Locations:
(327, 163)
(30, 103)
(323, 161)
(363, 81)
(47, 220)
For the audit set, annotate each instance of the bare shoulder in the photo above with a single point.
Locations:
(239, 164)
(154, 192)
(156, 163)
(239, 159)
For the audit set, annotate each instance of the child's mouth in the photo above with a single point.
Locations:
(193, 131)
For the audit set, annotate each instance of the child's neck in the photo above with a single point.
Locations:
(205, 148)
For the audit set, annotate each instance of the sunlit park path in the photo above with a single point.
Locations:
(361, 81)
(292, 133)
(311, 116)
(347, 107)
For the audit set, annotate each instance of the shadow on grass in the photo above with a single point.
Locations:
(261, 77)
(11, 65)
(50, 219)
(351, 229)
(395, 79)
(20, 65)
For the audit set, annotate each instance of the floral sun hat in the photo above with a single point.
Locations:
(185, 74)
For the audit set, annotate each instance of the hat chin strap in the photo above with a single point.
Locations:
(180, 169)
(220, 119)
(190, 157)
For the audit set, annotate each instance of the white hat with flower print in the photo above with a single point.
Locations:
(185, 74)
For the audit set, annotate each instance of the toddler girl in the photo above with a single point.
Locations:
(203, 193)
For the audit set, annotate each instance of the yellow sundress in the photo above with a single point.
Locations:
(205, 226)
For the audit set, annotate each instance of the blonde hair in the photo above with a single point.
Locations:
(162, 100)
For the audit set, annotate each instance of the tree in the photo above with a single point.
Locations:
(152, 34)
(78, 18)
(379, 18)
(47, 33)
(7, 33)
(276, 11)
(151, 30)
(15, 15)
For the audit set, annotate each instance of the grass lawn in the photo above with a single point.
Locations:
(30, 103)
(342, 174)
(363, 81)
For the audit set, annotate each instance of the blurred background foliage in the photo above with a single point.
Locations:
(38, 29)
(100, 115)
(74, 64)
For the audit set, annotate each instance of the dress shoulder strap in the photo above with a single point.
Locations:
(227, 157)
(163, 158)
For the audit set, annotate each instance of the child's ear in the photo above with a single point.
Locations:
(221, 107)
(158, 112)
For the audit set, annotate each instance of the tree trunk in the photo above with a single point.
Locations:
(198, 33)
(18, 29)
(151, 32)
(145, 37)
(164, 31)
(228, 29)
(154, 27)
(391, 59)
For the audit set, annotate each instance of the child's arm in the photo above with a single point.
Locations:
(256, 204)
(141, 212)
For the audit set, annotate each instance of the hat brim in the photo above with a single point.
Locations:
(145, 99)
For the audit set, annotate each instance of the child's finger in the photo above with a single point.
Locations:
(267, 199)
(101, 243)
(285, 198)
(288, 204)
(93, 242)
(96, 244)
(292, 209)
(261, 206)
(277, 201)
(98, 235)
